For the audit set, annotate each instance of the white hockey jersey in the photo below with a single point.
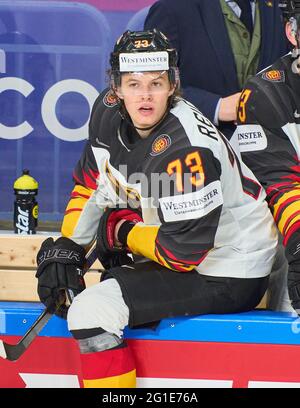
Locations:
(202, 208)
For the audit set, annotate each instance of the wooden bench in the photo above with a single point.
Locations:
(18, 266)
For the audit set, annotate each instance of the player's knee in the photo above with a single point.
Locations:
(101, 306)
(86, 313)
(77, 312)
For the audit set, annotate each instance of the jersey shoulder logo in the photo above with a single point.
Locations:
(160, 145)
(110, 100)
(274, 76)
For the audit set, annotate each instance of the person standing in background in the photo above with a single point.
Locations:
(268, 136)
(221, 43)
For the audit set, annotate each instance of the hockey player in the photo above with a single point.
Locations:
(156, 179)
(268, 135)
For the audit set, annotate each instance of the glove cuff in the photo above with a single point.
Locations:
(124, 230)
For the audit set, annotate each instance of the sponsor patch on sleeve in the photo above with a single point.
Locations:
(274, 76)
(192, 205)
(251, 138)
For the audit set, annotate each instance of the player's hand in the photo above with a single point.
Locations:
(228, 108)
(59, 271)
(110, 246)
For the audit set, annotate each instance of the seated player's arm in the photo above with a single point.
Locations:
(266, 145)
(82, 213)
(188, 222)
(274, 160)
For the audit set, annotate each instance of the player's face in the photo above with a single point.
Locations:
(145, 96)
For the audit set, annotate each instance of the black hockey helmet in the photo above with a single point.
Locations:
(129, 55)
(289, 8)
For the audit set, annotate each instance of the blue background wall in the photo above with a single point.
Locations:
(53, 62)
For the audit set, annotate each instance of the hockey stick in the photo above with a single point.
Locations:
(14, 351)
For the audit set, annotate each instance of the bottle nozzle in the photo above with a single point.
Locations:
(26, 182)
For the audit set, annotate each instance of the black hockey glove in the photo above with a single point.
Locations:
(59, 272)
(292, 253)
(109, 254)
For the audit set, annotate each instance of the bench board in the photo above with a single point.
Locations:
(254, 349)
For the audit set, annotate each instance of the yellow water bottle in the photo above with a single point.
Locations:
(25, 205)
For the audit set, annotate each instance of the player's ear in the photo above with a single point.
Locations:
(172, 90)
(290, 33)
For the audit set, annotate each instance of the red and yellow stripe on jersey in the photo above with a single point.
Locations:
(143, 240)
(79, 197)
(285, 205)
